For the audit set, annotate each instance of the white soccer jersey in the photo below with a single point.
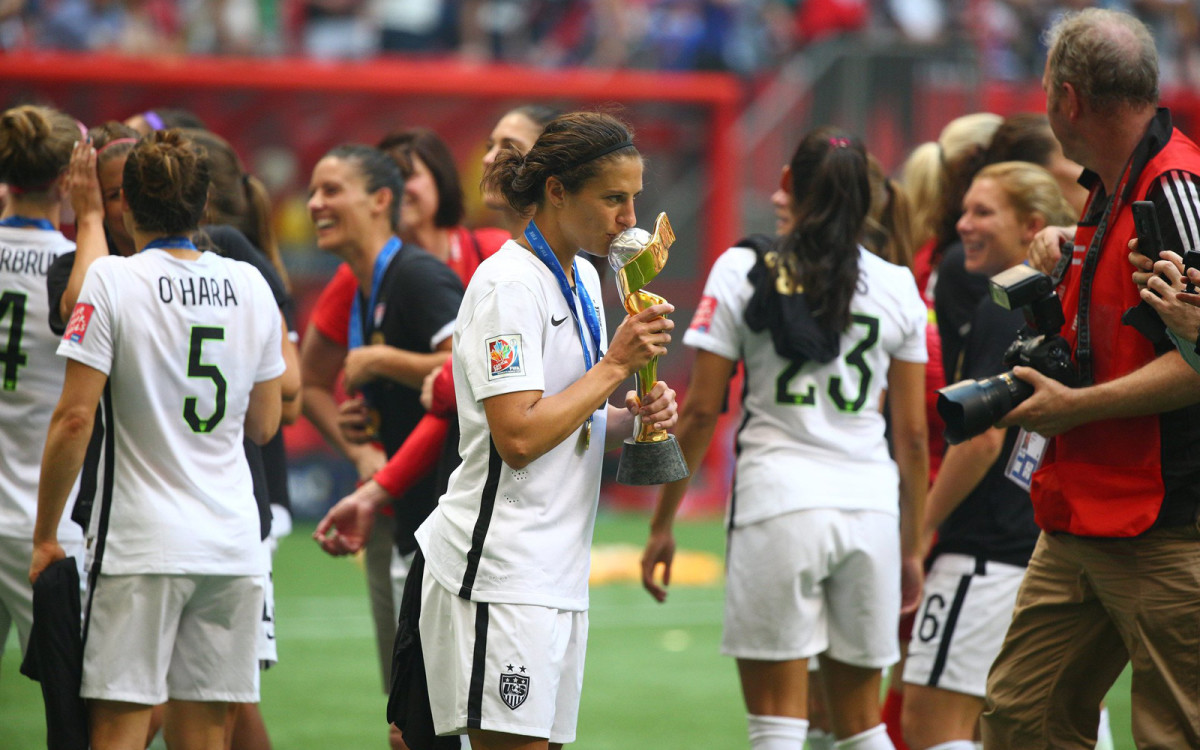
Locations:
(183, 343)
(500, 534)
(31, 377)
(812, 435)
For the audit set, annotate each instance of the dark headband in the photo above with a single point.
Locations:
(597, 154)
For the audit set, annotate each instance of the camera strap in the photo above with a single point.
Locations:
(1083, 341)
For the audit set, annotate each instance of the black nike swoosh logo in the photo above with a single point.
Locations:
(558, 322)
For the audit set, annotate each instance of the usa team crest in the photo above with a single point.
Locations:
(514, 689)
(504, 356)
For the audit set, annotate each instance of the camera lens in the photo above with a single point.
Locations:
(970, 407)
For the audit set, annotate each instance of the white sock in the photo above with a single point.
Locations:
(875, 738)
(819, 739)
(776, 732)
(1104, 737)
(955, 745)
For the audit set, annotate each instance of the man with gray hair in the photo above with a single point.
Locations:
(1115, 576)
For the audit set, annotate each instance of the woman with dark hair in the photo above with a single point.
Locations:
(818, 564)
(402, 303)
(191, 345)
(35, 145)
(503, 599)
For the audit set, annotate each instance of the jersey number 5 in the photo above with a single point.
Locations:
(197, 369)
(855, 358)
(13, 303)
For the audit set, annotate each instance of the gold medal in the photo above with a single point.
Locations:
(377, 338)
(587, 433)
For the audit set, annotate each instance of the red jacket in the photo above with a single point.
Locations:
(1119, 477)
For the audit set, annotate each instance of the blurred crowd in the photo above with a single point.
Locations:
(743, 36)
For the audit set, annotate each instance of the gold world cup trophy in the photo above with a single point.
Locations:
(650, 456)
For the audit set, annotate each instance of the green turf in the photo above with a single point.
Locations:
(654, 678)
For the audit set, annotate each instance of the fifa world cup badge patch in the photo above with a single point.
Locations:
(704, 314)
(77, 327)
(514, 688)
(504, 356)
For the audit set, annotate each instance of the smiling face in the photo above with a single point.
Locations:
(602, 208)
(994, 236)
(419, 205)
(341, 209)
(110, 172)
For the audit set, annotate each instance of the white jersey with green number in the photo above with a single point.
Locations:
(812, 435)
(31, 377)
(183, 343)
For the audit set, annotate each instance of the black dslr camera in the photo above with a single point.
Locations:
(970, 407)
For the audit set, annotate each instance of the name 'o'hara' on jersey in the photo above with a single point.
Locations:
(499, 534)
(183, 343)
(812, 435)
(31, 377)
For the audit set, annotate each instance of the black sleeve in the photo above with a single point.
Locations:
(56, 286)
(231, 243)
(993, 329)
(431, 295)
(956, 296)
(1176, 198)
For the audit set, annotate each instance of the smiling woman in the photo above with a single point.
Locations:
(503, 600)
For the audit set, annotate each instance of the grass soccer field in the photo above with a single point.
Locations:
(654, 678)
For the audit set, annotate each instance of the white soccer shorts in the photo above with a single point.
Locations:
(965, 612)
(512, 668)
(812, 581)
(156, 637)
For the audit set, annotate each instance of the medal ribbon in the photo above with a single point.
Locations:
(23, 222)
(171, 243)
(357, 323)
(541, 249)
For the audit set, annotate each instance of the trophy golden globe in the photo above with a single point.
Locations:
(650, 456)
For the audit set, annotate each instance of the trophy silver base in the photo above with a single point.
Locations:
(651, 463)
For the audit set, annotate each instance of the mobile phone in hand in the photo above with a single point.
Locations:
(1149, 236)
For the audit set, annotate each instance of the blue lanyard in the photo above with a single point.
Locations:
(542, 250)
(355, 334)
(22, 222)
(170, 243)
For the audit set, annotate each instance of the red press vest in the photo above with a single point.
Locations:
(1104, 479)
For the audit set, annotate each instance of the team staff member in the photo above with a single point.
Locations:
(818, 562)
(35, 148)
(982, 520)
(1116, 573)
(504, 596)
(191, 344)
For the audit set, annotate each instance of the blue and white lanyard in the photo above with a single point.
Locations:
(24, 222)
(354, 337)
(171, 243)
(542, 250)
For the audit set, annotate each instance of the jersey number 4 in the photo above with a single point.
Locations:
(13, 303)
(855, 358)
(198, 369)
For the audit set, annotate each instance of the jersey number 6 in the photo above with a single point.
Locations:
(197, 369)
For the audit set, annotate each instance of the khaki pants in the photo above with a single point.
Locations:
(1085, 609)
